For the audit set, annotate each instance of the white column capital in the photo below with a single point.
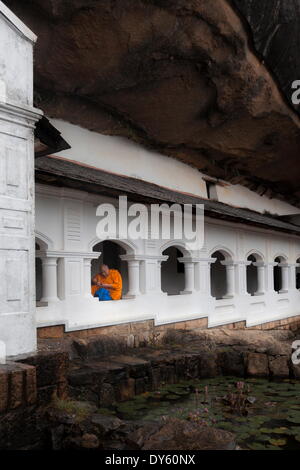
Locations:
(66, 254)
(260, 264)
(49, 261)
(202, 261)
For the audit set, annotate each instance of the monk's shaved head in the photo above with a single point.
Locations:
(104, 270)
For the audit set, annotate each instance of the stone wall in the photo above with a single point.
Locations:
(26, 388)
(145, 332)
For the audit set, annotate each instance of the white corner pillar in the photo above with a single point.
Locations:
(17, 122)
(230, 279)
(284, 277)
(133, 263)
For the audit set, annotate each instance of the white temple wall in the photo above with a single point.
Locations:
(121, 156)
(68, 236)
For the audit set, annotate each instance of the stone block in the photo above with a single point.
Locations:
(30, 383)
(208, 365)
(257, 365)
(16, 389)
(51, 367)
(50, 332)
(126, 389)
(296, 370)
(3, 390)
(279, 366)
(232, 363)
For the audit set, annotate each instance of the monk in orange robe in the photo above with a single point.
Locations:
(107, 285)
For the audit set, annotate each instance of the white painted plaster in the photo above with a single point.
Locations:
(121, 156)
(236, 241)
(17, 119)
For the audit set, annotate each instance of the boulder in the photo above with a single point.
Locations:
(176, 434)
(279, 366)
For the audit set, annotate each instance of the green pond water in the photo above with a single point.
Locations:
(268, 419)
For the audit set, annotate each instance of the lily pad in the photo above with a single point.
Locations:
(278, 442)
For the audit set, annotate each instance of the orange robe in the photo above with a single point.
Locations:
(114, 278)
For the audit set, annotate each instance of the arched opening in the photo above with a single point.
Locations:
(172, 272)
(38, 277)
(252, 276)
(221, 285)
(279, 284)
(110, 255)
(298, 274)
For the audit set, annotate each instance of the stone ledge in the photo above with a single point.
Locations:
(137, 334)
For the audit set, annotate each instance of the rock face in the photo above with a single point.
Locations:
(101, 432)
(178, 76)
(176, 434)
(275, 28)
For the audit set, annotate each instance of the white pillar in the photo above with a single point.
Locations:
(133, 263)
(87, 275)
(160, 260)
(133, 278)
(270, 276)
(189, 275)
(292, 275)
(202, 280)
(261, 277)
(241, 277)
(285, 277)
(49, 268)
(230, 279)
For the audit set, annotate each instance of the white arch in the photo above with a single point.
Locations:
(176, 244)
(255, 253)
(127, 245)
(284, 258)
(45, 242)
(226, 252)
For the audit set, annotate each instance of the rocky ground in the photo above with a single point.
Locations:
(63, 401)
(76, 425)
(97, 378)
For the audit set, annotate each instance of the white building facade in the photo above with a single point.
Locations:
(242, 273)
(49, 248)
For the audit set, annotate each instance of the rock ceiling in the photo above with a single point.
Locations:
(199, 80)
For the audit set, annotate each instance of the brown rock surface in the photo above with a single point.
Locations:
(178, 76)
(279, 366)
(176, 434)
(257, 365)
